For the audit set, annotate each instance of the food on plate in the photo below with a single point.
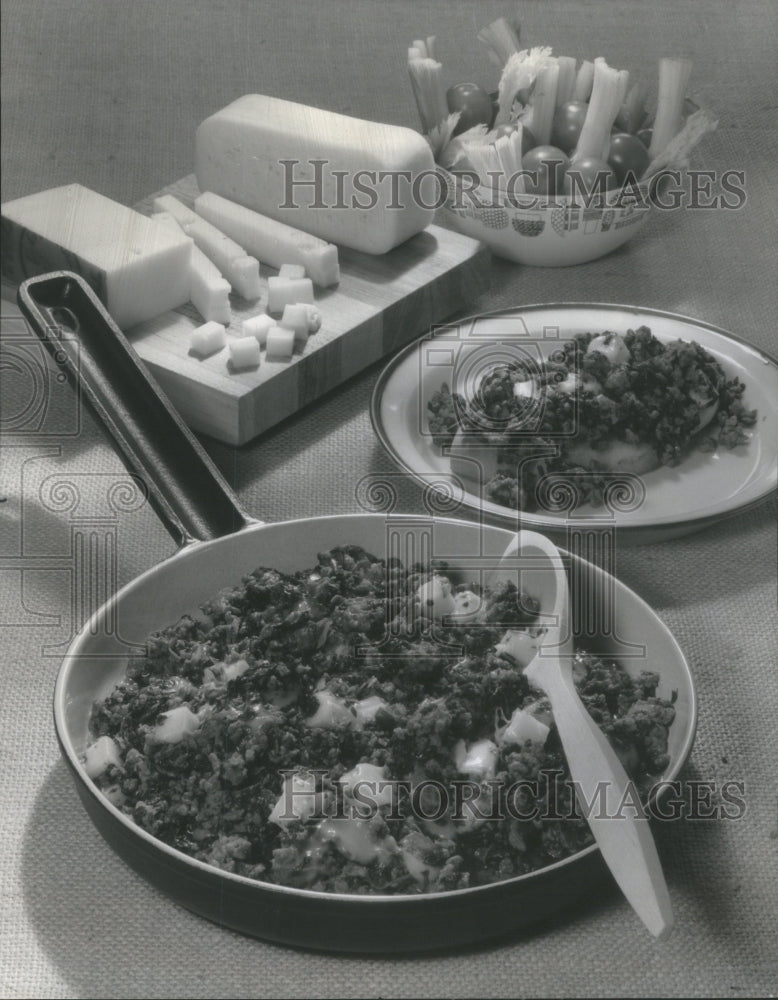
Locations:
(279, 343)
(270, 241)
(261, 152)
(305, 729)
(238, 267)
(282, 292)
(603, 403)
(244, 352)
(208, 339)
(209, 292)
(137, 267)
(574, 109)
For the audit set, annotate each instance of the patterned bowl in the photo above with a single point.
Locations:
(543, 231)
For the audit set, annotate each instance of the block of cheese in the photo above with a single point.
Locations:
(137, 267)
(209, 292)
(354, 183)
(241, 270)
(271, 241)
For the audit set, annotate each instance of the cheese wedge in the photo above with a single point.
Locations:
(137, 267)
(354, 183)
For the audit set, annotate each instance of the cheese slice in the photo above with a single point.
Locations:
(138, 267)
(354, 183)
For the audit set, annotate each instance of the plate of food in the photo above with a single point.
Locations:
(575, 414)
(230, 717)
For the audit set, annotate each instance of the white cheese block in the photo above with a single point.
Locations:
(292, 251)
(137, 267)
(209, 292)
(295, 318)
(244, 352)
(279, 343)
(261, 152)
(207, 339)
(282, 292)
(231, 259)
(257, 327)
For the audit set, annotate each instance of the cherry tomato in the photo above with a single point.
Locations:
(548, 164)
(627, 155)
(528, 140)
(588, 176)
(645, 135)
(568, 122)
(473, 102)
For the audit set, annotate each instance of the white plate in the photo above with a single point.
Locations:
(703, 489)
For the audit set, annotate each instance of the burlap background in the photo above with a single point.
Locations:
(109, 93)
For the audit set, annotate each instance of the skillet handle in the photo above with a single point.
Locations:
(184, 486)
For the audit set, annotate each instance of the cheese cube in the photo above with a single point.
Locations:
(207, 339)
(244, 352)
(280, 343)
(291, 271)
(373, 186)
(257, 327)
(137, 267)
(286, 291)
(291, 250)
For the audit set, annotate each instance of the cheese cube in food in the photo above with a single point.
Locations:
(373, 187)
(280, 344)
(257, 327)
(207, 339)
(293, 252)
(138, 267)
(287, 291)
(244, 352)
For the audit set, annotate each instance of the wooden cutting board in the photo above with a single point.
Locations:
(381, 303)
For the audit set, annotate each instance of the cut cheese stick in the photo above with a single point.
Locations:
(273, 242)
(351, 182)
(294, 270)
(241, 270)
(209, 292)
(287, 291)
(138, 268)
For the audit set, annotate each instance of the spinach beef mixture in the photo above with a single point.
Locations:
(331, 730)
(603, 403)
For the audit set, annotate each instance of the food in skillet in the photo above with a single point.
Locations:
(251, 737)
(604, 403)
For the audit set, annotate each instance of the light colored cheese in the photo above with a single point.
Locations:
(293, 252)
(100, 755)
(207, 339)
(138, 268)
(231, 259)
(288, 291)
(279, 343)
(209, 292)
(367, 171)
(258, 327)
(244, 352)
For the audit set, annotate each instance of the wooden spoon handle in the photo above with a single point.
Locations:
(604, 791)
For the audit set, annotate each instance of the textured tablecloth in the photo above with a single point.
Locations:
(109, 93)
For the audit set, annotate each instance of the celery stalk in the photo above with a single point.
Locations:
(608, 91)
(518, 73)
(501, 40)
(543, 106)
(673, 79)
(564, 90)
(633, 111)
(583, 81)
(427, 83)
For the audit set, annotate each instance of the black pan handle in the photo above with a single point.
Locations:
(184, 486)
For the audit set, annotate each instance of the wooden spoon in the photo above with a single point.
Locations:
(623, 837)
